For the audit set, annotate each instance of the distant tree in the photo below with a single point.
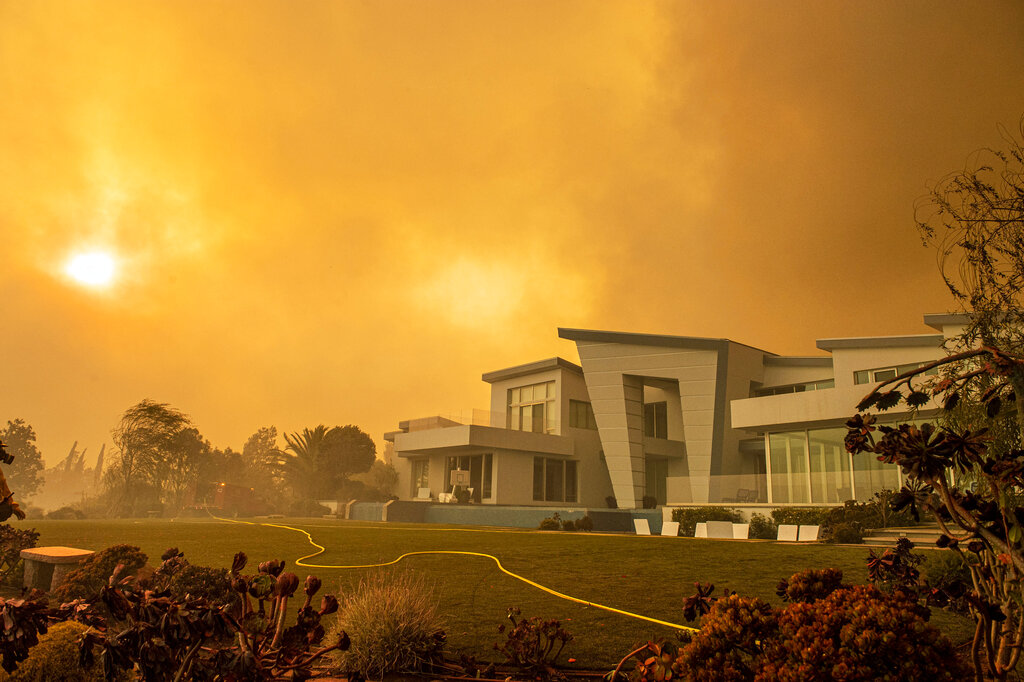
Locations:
(348, 450)
(24, 475)
(179, 468)
(300, 462)
(261, 447)
(263, 459)
(146, 439)
(317, 461)
(381, 476)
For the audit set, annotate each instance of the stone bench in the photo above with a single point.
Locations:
(46, 567)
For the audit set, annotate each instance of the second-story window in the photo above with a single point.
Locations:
(656, 420)
(532, 408)
(866, 376)
(581, 415)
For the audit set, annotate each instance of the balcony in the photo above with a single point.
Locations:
(473, 430)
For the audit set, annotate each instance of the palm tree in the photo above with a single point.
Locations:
(300, 461)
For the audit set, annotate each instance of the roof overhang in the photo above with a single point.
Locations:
(918, 340)
(941, 320)
(531, 368)
(636, 339)
(472, 438)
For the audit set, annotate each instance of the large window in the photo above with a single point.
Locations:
(420, 474)
(787, 461)
(479, 468)
(656, 420)
(813, 467)
(656, 474)
(830, 466)
(532, 408)
(554, 480)
(581, 415)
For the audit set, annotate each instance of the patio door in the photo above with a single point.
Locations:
(474, 464)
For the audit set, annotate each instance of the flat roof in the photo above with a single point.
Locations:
(938, 320)
(531, 368)
(663, 340)
(881, 341)
(799, 360)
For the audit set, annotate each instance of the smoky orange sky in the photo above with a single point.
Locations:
(345, 212)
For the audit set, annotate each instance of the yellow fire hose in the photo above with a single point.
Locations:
(320, 549)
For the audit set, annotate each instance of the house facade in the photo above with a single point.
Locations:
(666, 420)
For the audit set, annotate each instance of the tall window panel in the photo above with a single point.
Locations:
(656, 420)
(555, 480)
(581, 415)
(420, 474)
(830, 466)
(788, 460)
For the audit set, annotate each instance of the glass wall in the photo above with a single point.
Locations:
(871, 476)
(829, 466)
(554, 480)
(656, 474)
(813, 467)
(787, 453)
(479, 468)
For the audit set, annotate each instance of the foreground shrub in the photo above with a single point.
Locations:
(689, 517)
(585, 523)
(553, 522)
(163, 639)
(859, 633)
(56, 658)
(762, 527)
(810, 585)
(393, 623)
(12, 541)
(827, 631)
(183, 579)
(731, 640)
(87, 580)
(533, 645)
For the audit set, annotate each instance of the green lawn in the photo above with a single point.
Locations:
(646, 575)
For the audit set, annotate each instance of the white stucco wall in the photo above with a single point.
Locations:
(849, 360)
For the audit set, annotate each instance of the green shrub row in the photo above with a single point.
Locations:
(689, 517)
(845, 524)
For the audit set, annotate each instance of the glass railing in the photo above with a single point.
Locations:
(469, 417)
(824, 488)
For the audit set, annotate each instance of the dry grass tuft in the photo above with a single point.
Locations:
(393, 621)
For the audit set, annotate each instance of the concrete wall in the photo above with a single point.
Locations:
(729, 470)
(780, 374)
(615, 375)
(849, 360)
(366, 511)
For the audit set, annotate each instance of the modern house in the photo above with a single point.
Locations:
(666, 420)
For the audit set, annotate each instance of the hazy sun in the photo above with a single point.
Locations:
(94, 269)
